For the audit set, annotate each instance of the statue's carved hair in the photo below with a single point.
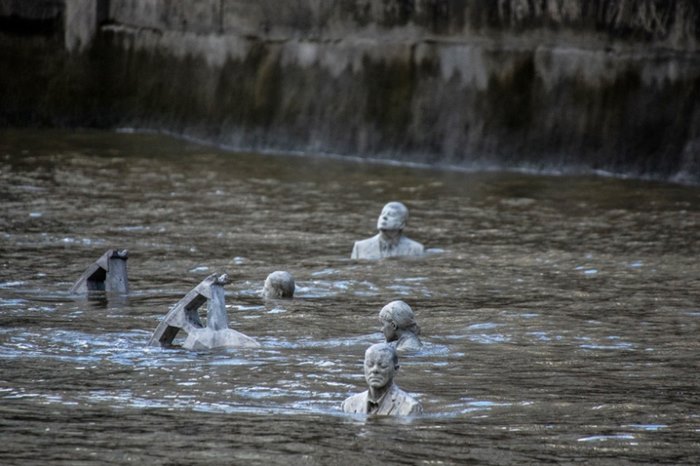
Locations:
(401, 314)
(384, 347)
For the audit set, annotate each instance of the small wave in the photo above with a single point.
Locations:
(11, 284)
(648, 427)
(603, 438)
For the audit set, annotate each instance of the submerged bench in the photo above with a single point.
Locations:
(185, 316)
(108, 273)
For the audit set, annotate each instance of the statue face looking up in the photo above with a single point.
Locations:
(393, 217)
(380, 365)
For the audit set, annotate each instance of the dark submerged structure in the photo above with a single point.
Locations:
(516, 84)
(108, 273)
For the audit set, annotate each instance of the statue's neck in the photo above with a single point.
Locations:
(390, 238)
(376, 394)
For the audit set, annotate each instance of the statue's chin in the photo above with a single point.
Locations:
(376, 384)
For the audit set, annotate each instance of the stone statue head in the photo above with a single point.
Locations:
(381, 364)
(278, 285)
(397, 317)
(393, 217)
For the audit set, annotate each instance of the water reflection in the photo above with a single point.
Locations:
(559, 315)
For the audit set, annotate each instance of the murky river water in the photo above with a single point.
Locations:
(560, 314)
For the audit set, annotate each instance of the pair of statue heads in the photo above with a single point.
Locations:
(383, 396)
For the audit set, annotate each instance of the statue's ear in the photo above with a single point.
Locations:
(393, 324)
(396, 367)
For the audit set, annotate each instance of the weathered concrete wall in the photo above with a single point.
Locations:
(82, 20)
(672, 24)
(612, 85)
(34, 9)
(31, 18)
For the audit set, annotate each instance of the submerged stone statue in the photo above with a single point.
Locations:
(390, 241)
(108, 273)
(383, 396)
(399, 326)
(278, 285)
(185, 316)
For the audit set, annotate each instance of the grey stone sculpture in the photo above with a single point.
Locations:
(278, 285)
(390, 241)
(383, 396)
(399, 326)
(185, 316)
(108, 273)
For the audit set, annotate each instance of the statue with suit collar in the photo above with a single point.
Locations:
(390, 241)
(383, 397)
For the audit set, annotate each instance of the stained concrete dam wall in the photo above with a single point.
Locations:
(570, 84)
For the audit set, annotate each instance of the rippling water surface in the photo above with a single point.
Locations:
(560, 314)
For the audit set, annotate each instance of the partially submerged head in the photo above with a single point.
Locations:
(393, 217)
(381, 364)
(279, 284)
(397, 318)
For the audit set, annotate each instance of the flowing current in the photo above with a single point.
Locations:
(560, 315)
